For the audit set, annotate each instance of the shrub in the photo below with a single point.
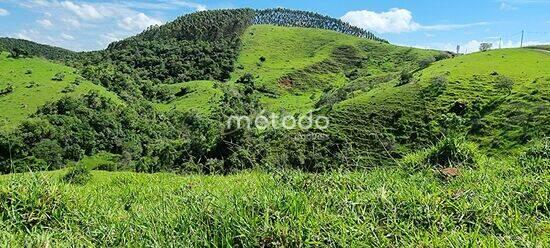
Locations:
(77, 175)
(50, 151)
(107, 166)
(405, 78)
(537, 157)
(58, 76)
(27, 203)
(504, 83)
(28, 71)
(8, 89)
(449, 152)
(437, 86)
(69, 89)
(426, 62)
(29, 164)
(18, 53)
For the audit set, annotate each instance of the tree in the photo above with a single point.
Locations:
(485, 47)
(18, 52)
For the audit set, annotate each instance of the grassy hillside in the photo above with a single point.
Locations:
(424, 148)
(33, 86)
(294, 66)
(497, 204)
(201, 96)
(467, 95)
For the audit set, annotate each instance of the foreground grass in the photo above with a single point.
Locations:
(496, 204)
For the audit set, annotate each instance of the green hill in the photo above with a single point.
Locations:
(32, 83)
(424, 148)
(467, 94)
(293, 66)
(35, 49)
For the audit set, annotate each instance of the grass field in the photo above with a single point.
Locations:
(33, 87)
(202, 96)
(497, 204)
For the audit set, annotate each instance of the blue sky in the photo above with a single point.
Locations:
(93, 24)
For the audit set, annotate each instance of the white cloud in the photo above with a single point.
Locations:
(30, 34)
(109, 38)
(74, 23)
(95, 23)
(165, 5)
(186, 4)
(506, 6)
(45, 23)
(138, 22)
(22, 36)
(395, 21)
(4, 12)
(84, 11)
(444, 27)
(67, 36)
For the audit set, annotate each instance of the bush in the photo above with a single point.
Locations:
(77, 175)
(107, 166)
(449, 152)
(27, 203)
(69, 89)
(7, 90)
(505, 84)
(18, 53)
(537, 157)
(58, 76)
(437, 86)
(426, 62)
(405, 78)
(50, 151)
(29, 164)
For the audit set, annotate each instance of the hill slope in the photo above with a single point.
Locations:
(32, 83)
(293, 66)
(467, 94)
(35, 49)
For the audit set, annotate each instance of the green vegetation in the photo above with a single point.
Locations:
(29, 91)
(483, 96)
(497, 204)
(305, 19)
(29, 48)
(541, 47)
(201, 96)
(198, 46)
(300, 63)
(424, 148)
